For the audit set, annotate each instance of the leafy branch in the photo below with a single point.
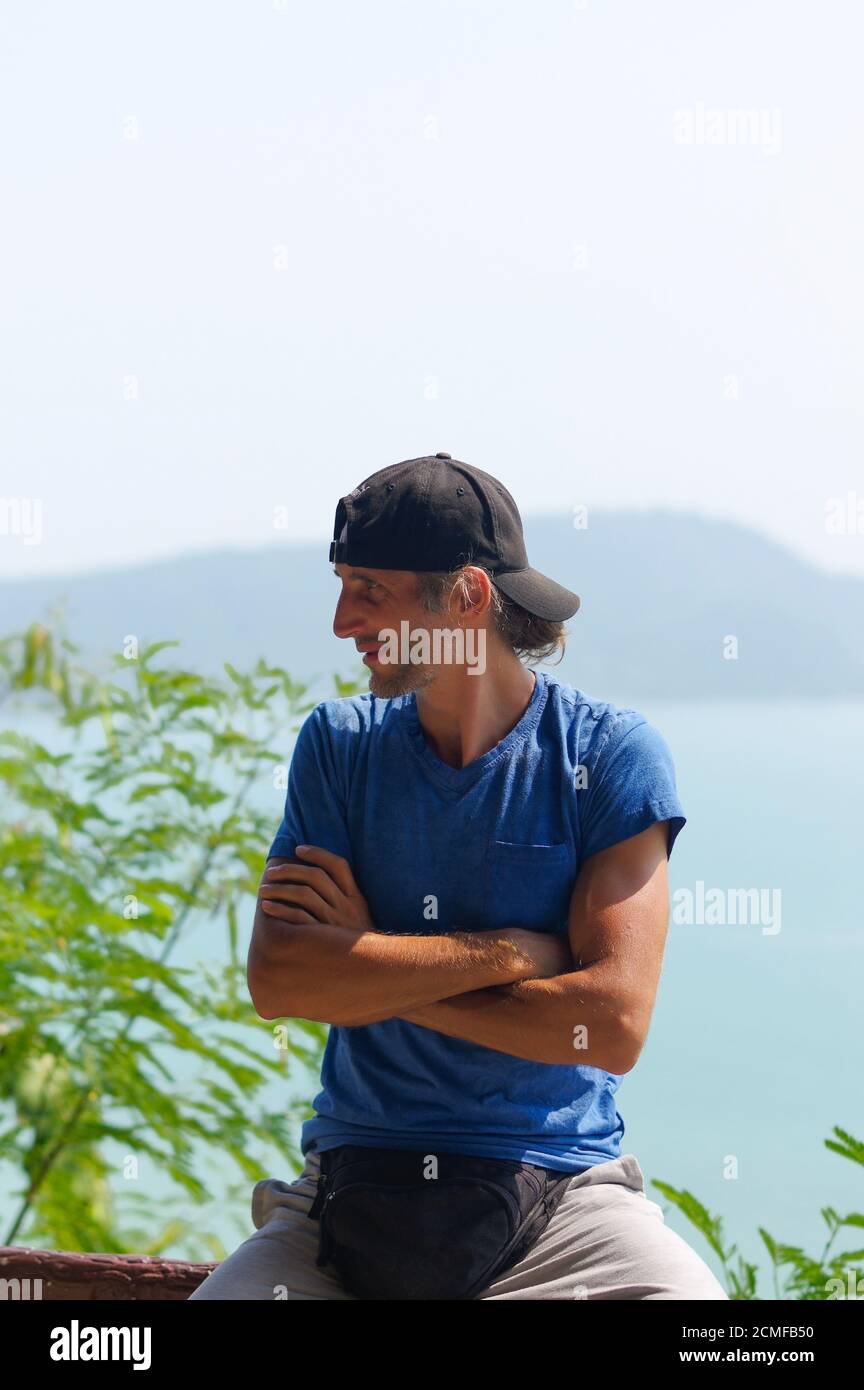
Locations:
(825, 1276)
(153, 814)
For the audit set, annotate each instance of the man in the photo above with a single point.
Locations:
(470, 886)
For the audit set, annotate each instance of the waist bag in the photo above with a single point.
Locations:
(391, 1232)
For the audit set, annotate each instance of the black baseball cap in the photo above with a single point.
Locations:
(436, 513)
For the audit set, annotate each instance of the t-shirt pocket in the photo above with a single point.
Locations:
(529, 885)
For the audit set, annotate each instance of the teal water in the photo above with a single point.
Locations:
(754, 1049)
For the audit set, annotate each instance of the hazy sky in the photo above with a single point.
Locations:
(251, 252)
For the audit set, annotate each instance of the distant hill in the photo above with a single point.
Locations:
(660, 591)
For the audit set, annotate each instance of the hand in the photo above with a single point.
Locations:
(322, 889)
(550, 952)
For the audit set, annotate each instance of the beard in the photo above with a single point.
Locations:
(389, 681)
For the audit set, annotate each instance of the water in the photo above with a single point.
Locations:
(753, 1050)
(753, 1053)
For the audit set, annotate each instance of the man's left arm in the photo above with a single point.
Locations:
(597, 1015)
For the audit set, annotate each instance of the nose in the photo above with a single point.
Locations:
(347, 620)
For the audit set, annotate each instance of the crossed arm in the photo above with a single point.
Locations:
(584, 1000)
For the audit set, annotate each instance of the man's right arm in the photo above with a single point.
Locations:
(333, 974)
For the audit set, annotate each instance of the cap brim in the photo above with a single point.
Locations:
(541, 596)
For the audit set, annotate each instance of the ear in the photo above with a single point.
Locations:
(476, 596)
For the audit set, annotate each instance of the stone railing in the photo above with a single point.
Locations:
(28, 1274)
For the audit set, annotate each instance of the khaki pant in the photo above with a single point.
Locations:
(606, 1240)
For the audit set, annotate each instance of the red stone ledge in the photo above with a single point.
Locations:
(68, 1274)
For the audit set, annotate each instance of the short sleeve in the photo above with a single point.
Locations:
(631, 786)
(315, 812)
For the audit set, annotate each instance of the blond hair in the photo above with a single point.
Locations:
(525, 633)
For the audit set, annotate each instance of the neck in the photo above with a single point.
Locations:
(464, 716)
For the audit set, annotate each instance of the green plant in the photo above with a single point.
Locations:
(824, 1276)
(112, 847)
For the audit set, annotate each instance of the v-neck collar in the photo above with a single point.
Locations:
(459, 778)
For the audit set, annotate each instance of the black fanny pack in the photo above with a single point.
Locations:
(398, 1224)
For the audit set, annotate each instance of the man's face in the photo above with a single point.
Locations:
(372, 600)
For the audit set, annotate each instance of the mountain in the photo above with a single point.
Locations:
(660, 593)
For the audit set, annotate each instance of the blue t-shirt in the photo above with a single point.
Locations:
(498, 843)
